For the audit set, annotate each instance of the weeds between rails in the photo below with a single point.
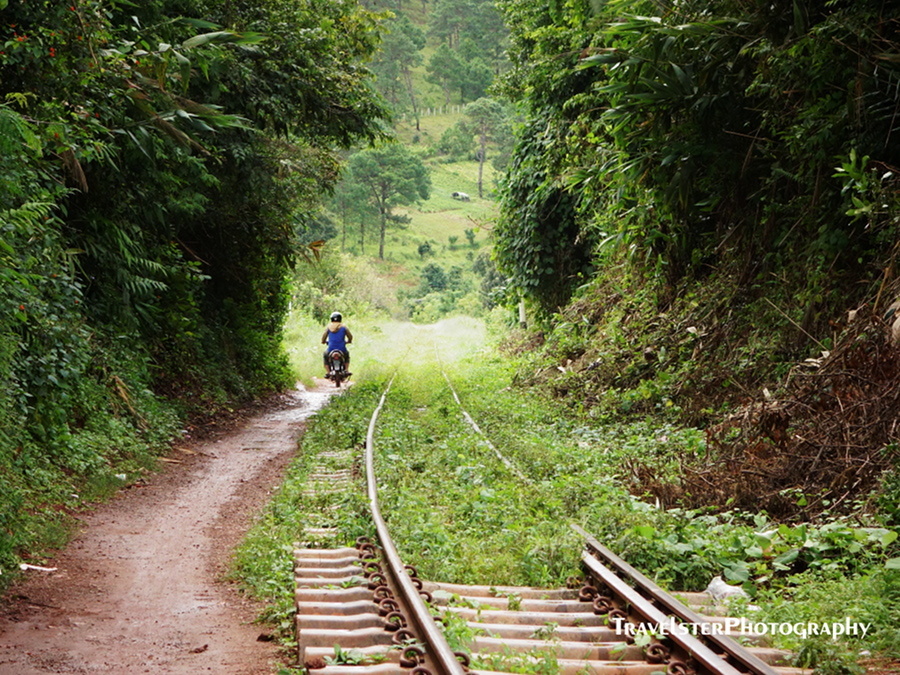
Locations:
(560, 617)
(474, 526)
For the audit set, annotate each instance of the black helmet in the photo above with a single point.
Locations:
(336, 316)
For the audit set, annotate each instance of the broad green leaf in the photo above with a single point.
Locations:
(754, 551)
(788, 557)
(893, 564)
(764, 539)
(889, 538)
(736, 573)
(206, 38)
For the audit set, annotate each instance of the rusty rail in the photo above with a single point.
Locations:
(439, 653)
(718, 653)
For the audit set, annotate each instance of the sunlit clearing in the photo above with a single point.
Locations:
(383, 346)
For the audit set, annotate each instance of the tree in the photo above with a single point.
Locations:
(349, 202)
(156, 158)
(392, 176)
(474, 79)
(453, 22)
(457, 142)
(400, 52)
(705, 134)
(485, 119)
(487, 29)
(433, 278)
(443, 69)
(448, 19)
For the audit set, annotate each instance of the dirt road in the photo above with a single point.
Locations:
(139, 590)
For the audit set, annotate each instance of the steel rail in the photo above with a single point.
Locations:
(724, 657)
(691, 646)
(474, 425)
(735, 654)
(442, 657)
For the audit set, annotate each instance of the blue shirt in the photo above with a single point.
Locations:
(337, 339)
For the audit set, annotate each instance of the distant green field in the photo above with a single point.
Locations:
(431, 127)
(441, 217)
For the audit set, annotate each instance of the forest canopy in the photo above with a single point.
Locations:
(158, 164)
(698, 134)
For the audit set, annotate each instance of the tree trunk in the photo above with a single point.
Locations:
(407, 75)
(383, 230)
(481, 156)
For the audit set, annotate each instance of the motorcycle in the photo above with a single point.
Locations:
(337, 367)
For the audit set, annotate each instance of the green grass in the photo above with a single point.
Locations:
(431, 127)
(467, 518)
(441, 217)
(382, 346)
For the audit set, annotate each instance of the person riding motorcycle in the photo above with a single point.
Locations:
(337, 336)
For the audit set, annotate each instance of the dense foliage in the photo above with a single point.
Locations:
(157, 162)
(701, 192)
(702, 134)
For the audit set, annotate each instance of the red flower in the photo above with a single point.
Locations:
(21, 308)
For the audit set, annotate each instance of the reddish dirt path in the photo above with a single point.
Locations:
(139, 589)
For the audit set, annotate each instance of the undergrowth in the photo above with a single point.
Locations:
(460, 515)
(467, 518)
(798, 412)
(59, 455)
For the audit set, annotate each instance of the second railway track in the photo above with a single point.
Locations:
(361, 610)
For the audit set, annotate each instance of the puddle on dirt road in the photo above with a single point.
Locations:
(310, 401)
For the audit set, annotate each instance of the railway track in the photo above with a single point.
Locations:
(361, 610)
